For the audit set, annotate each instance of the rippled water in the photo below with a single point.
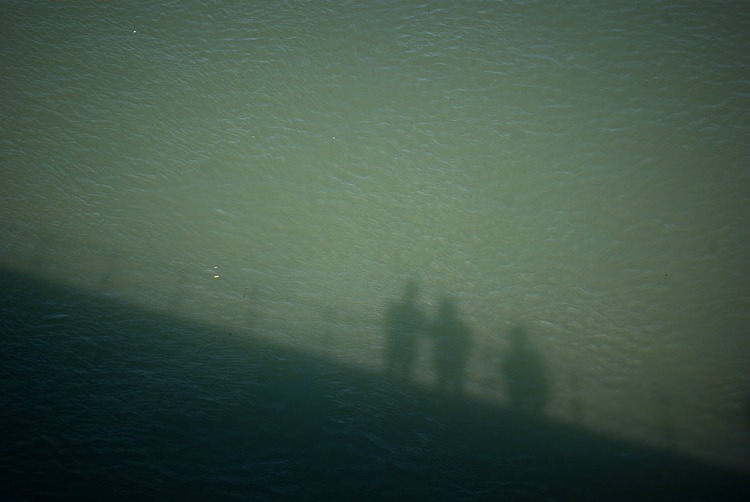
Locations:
(198, 200)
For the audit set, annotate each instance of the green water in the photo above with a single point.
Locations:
(280, 170)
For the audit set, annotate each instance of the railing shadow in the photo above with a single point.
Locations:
(104, 400)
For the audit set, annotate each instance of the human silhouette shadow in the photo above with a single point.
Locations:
(451, 339)
(403, 323)
(525, 375)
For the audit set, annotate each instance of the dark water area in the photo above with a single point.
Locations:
(103, 400)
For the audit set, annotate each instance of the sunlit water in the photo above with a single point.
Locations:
(281, 171)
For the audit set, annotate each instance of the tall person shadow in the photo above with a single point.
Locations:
(403, 324)
(451, 339)
(525, 375)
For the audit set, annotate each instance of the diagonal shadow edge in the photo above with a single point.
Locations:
(102, 398)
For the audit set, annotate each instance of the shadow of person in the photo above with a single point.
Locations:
(450, 337)
(404, 320)
(525, 375)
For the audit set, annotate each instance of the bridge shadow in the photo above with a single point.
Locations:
(104, 400)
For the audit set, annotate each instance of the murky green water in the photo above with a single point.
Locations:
(578, 171)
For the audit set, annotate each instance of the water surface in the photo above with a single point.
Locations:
(577, 173)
